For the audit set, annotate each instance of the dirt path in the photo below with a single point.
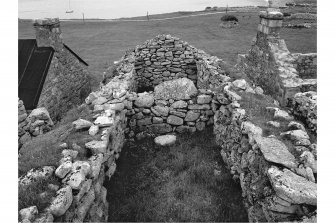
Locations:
(185, 182)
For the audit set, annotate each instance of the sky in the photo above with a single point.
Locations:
(110, 9)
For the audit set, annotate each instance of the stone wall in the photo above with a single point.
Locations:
(82, 196)
(306, 65)
(304, 107)
(270, 64)
(66, 84)
(36, 123)
(278, 181)
(278, 184)
(168, 109)
(67, 81)
(164, 58)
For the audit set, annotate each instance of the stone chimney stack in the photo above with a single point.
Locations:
(271, 21)
(48, 33)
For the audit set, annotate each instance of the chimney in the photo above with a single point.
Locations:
(48, 33)
(271, 21)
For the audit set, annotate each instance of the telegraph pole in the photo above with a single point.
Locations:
(83, 18)
(148, 16)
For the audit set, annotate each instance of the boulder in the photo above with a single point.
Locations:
(84, 205)
(145, 121)
(81, 124)
(115, 107)
(293, 125)
(144, 100)
(69, 152)
(174, 120)
(259, 90)
(276, 151)
(80, 170)
(104, 121)
(249, 128)
(178, 113)
(199, 107)
(95, 163)
(44, 218)
(28, 213)
(240, 84)
(309, 160)
(204, 99)
(162, 110)
(63, 169)
(62, 201)
(39, 114)
(178, 89)
(299, 137)
(192, 116)
(157, 120)
(287, 184)
(280, 114)
(273, 124)
(165, 140)
(94, 129)
(85, 187)
(99, 101)
(97, 146)
(179, 104)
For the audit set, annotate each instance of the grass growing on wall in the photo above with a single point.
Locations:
(44, 150)
(184, 182)
(30, 195)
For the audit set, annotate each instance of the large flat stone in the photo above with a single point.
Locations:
(276, 151)
(178, 89)
(165, 140)
(297, 188)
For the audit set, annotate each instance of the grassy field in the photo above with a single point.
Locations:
(100, 42)
(186, 182)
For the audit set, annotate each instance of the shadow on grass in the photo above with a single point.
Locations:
(183, 182)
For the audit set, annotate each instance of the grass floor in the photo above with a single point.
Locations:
(100, 43)
(183, 182)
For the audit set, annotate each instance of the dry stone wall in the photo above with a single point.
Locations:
(304, 107)
(67, 81)
(169, 109)
(270, 64)
(36, 123)
(66, 84)
(164, 58)
(82, 196)
(278, 184)
(306, 65)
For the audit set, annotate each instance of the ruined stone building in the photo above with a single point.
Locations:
(50, 74)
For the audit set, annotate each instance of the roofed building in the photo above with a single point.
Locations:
(50, 74)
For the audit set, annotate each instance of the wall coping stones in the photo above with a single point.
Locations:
(276, 151)
(297, 188)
